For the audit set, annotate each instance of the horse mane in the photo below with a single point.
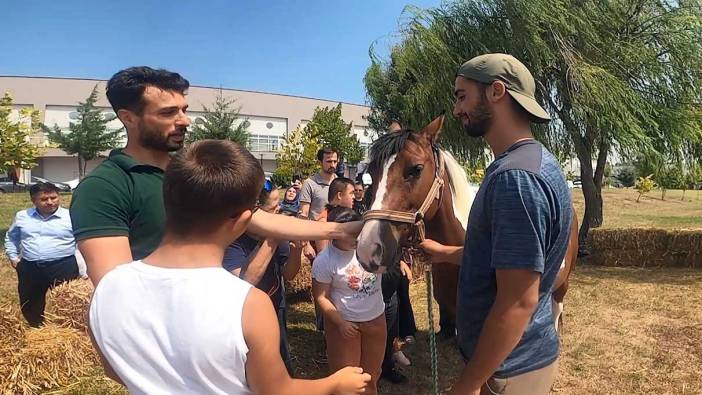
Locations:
(462, 191)
(386, 146)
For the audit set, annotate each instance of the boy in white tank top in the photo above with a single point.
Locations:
(176, 322)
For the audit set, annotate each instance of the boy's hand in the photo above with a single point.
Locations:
(351, 230)
(349, 329)
(351, 380)
(406, 271)
(309, 252)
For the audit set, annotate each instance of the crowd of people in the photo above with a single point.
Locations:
(189, 254)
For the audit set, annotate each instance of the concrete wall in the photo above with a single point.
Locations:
(61, 169)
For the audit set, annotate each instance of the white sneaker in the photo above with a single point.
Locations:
(401, 359)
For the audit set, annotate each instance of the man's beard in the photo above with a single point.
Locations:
(153, 139)
(330, 170)
(479, 120)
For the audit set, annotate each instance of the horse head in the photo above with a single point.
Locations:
(403, 165)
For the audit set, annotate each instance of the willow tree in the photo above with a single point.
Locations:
(617, 77)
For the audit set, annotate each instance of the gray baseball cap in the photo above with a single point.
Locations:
(516, 77)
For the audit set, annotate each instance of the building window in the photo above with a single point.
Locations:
(263, 143)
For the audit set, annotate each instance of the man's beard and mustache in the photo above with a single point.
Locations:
(330, 170)
(479, 120)
(153, 139)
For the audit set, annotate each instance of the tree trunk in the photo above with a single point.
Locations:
(663, 193)
(683, 196)
(592, 188)
(80, 167)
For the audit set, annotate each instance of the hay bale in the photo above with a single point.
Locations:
(12, 328)
(67, 304)
(644, 247)
(33, 360)
(303, 281)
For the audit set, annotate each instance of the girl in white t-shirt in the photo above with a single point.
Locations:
(352, 303)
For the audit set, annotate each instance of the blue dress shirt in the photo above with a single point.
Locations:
(39, 238)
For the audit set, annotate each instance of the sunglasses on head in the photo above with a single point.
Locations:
(267, 186)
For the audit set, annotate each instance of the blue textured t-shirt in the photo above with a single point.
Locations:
(520, 219)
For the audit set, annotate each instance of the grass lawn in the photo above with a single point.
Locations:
(627, 330)
(622, 211)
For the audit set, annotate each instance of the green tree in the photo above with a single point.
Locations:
(87, 137)
(222, 121)
(297, 155)
(669, 177)
(16, 150)
(329, 128)
(616, 75)
(644, 185)
(627, 176)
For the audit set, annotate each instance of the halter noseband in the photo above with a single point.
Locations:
(416, 218)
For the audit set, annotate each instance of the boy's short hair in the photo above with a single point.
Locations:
(40, 187)
(342, 215)
(338, 185)
(207, 183)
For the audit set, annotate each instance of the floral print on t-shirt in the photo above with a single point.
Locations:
(360, 281)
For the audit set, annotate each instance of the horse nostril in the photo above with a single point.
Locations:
(377, 251)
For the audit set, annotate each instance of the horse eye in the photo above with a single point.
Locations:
(415, 171)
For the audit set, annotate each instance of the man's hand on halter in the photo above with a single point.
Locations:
(439, 253)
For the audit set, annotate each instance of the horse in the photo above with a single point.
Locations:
(418, 191)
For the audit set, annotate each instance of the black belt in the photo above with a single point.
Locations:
(51, 262)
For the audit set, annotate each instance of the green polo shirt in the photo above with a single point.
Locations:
(121, 197)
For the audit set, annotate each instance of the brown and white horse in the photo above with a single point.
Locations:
(406, 168)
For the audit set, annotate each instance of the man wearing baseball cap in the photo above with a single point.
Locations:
(517, 236)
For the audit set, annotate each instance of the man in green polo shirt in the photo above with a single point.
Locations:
(117, 210)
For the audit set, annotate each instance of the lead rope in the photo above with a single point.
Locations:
(430, 311)
(432, 335)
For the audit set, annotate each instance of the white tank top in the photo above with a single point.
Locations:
(172, 331)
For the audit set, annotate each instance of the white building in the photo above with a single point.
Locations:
(270, 116)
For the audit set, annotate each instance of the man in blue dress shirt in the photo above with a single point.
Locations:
(41, 247)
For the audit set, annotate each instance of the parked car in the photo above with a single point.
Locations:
(577, 183)
(7, 186)
(63, 187)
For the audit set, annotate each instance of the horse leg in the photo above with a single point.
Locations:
(445, 288)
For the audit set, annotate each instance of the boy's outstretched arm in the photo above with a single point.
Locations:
(265, 371)
(281, 227)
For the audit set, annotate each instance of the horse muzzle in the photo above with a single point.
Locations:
(378, 246)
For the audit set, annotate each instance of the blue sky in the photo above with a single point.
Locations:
(307, 48)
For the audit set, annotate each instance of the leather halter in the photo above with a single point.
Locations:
(416, 218)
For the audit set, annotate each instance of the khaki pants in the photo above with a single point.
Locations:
(365, 350)
(536, 382)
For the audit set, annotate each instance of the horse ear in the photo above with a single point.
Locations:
(431, 131)
(394, 127)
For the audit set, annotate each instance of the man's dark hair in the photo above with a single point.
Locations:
(338, 185)
(342, 215)
(125, 89)
(40, 187)
(207, 183)
(326, 151)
